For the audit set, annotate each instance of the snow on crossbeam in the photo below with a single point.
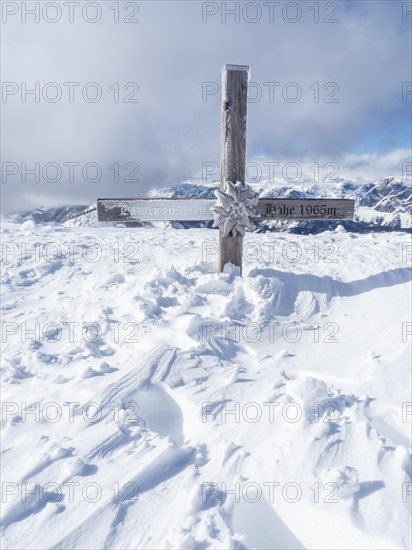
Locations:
(163, 209)
(124, 210)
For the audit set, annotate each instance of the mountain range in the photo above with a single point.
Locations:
(382, 205)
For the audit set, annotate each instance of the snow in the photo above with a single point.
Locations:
(385, 203)
(150, 402)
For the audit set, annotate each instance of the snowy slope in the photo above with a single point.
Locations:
(175, 407)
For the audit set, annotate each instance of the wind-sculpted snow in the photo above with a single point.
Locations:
(150, 402)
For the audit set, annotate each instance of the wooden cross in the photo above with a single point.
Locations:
(238, 204)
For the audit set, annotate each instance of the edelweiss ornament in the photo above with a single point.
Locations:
(235, 208)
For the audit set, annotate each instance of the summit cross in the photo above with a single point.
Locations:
(237, 205)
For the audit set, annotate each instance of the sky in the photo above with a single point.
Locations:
(127, 94)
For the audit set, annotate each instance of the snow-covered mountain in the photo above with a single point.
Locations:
(383, 205)
(59, 214)
(386, 203)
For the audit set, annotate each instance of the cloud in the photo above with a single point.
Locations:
(348, 77)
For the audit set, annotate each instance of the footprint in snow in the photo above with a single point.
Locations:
(104, 368)
(167, 301)
(46, 358)
(27, 277)
(99, 349)
(35, 345)
(116, 279)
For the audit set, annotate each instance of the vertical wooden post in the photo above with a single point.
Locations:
(233, 149)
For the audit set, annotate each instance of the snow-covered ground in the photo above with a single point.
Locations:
(150, 402)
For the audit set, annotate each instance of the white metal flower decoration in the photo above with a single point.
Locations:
(235, 207)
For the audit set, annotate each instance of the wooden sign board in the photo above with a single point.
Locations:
(150, 210)
(132, 210)
(306, 209)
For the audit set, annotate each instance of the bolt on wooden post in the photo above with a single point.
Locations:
(233, 149)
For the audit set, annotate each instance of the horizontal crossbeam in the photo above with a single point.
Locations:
(150, 210)
(164, 209)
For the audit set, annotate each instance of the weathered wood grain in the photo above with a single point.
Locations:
(233, 148)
